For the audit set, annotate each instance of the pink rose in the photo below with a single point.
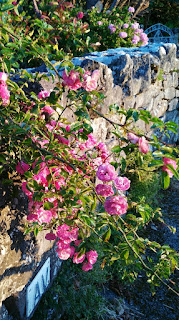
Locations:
(72, 80)
(62, 245)
(116, 205)
(44, 216)
(4, 93)
(26, 191)
(68, 128)
(112, 28)
(172, 163)
(106, 172)
(104, 190)
(125, 26)
(3, 76)
(122, 183)
(123, 34)
(80, 15)
(92, 256)
(90, 82)
(47, 109)
(99, 23)
(135, 39)
(135, 25)
(131, 9)
(50, 236)
(64, 254)
(143, 145)
(43, 94)
(87, 266)
(132, 138)
(77, 259)
(22, 167)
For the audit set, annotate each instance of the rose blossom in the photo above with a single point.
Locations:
(131, 9)
(43, 94)
(44, 216)
(135, 25)
(65, 254)
(123, 34)
(125, 26)
(172, 163)
(104, 190)
(143, 145)
(135, 39)
(106, 172)
(50, 236)
(122, 183)
(90, 82)
(72, 80)
(116, 205)
(22, 167)
(4, 93)
(3, 76)
(77, 259)
(80, 15)
(92, 256)
(87, 266)
(47, 109)
(112, 28)
(132, 137)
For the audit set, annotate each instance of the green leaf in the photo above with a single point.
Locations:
(2, 158)
(116, 149)
(155, 163)
(125, 254)
(135, 115)
(123, 164)
(165, 180)
(107, 235)
(175, 173)
(36, 231)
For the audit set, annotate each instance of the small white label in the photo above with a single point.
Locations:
(37, 287)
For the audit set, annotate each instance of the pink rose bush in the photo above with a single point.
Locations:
(56, 185)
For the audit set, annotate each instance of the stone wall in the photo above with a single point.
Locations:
(139, 78)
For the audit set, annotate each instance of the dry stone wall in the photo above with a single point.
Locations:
(139, 78)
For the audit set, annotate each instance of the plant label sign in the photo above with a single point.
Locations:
(37, 287)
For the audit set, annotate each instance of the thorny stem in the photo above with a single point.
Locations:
(39, 148)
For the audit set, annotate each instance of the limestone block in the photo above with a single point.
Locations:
(175, 77)
(166, 66)
(169, 93)
(173, 104)
(129, 102)
(141, 78)
(168, 82)
(162, 52)
(160, 106)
